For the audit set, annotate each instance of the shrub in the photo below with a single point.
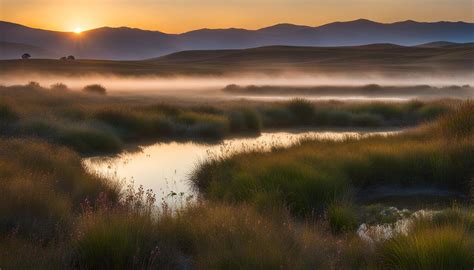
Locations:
(302, 110)
(33, 85)
(95, 89)
(443, 247)
(59, 87)
(342, 218)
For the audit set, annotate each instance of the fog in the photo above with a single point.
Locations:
(211, 85)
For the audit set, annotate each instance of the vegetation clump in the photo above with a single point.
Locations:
(95, 89)
(59, 87)
(342, 218)
(430, 247)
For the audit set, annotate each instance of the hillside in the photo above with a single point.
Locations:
(134, 44)
(380, 58)
(10, 50)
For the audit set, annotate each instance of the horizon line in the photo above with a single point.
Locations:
(237, 28)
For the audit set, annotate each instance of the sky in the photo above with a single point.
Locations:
(177, 16)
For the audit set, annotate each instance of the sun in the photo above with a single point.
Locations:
(78, 30)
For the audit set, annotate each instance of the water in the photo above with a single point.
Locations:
(165, 167)
(346, 98)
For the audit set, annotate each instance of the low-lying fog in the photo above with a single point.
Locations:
(211, 85)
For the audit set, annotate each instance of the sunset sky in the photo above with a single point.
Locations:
(176, 16)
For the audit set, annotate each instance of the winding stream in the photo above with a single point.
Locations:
(165, 167)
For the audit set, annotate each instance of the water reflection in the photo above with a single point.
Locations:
(165, 167)
(346, 98)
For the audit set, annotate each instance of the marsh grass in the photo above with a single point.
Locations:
(308, 176)
(75, 119)
(430, 247)
(204, 125)
(301, 110)
(42, 186)
(342, 218)
(263, 208)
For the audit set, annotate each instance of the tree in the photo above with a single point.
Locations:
(71, 57)
(26, 56)
(63, 58)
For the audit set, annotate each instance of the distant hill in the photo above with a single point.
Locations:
(380, 59)
(439, 44)
(132, 44)
(368, 55)
(10, 50)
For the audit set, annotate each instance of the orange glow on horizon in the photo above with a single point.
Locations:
(178, 16)
(78, 30)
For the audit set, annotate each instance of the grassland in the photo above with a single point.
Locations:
(289, 208)
(310, 176)
(382, 59)
(92, 123)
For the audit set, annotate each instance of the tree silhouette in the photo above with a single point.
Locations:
(26, 56)
(71, 57)
(63, 58)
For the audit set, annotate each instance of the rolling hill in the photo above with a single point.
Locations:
(379, 58)
(11, 50)
(133, 44)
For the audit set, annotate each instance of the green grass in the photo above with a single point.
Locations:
(301, 110)
(342, 218)
(438, 247)
(204, 125)
(75, 119)
(42, 186)
(307, 177)
(285, 209)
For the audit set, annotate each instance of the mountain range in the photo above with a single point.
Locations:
(132, 44)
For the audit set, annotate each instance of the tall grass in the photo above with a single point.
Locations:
(308, 176)
(434, 247)
(77, 120)
(56, 215)
(205, 125)
(42, 186)
(342, 218)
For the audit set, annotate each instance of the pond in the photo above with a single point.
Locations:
(165, 167)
